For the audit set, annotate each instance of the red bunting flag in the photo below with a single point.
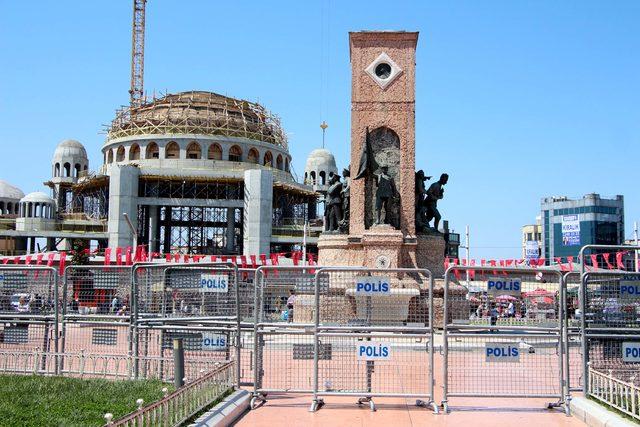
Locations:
(63, 258)
(16, 260)
(483, 262)
(50, 259)
(168, 258)
(5, 261)
(118, 256)
(254, 263)
(107, 256)
(213, 258)
(472, 273)
(127, 257)
(605, 256)
(39, 259)
(570, 261)
(619, 262)
(263, 259)
(223, 258)
(243, 261)
(27, 260)
(464, 261)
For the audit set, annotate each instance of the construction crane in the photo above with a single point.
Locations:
(137, 54)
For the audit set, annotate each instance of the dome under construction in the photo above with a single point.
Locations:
(199, 113)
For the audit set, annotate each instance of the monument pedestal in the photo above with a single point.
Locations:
(382, 246)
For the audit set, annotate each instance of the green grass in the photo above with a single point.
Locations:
(57, 401)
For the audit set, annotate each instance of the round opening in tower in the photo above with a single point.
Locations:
(383, 70)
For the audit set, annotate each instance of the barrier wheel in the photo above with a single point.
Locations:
(436, 410)
(252, 403)
(445, 407)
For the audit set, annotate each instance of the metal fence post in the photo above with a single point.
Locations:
(178, 363)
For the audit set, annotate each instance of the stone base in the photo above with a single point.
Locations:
(382, 246)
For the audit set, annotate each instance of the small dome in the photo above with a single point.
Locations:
(70, 148)
(8, 191)
(321, 160)
(37, 197)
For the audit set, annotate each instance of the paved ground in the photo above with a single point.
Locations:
(292, 410)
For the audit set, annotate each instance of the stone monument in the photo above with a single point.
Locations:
(382, 186)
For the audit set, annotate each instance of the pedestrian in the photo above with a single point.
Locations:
(290, 301)
(511, 310)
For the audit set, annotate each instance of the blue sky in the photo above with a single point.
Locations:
(516, 100)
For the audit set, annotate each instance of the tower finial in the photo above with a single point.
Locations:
(324, 127)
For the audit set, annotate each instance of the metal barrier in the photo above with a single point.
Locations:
(96, 312)
(475, 354)
(29, 311)
(373, 335)
(572, 334)
(283, 334)
(196, 302)
(610, 324)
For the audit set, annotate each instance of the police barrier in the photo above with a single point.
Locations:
(201, 296)
(373, 335)
(572, 334)
(284, 307)
(29, 311)
(489, 359)
(611, 324)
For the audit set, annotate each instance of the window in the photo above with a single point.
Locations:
(235, 154)
(77, 170)
(253, 156)
(172, 151)
(286, 164)
(279, 162)
(193, 151)
(110, 156)
(56, 171)
(67, 170)
(120, 154)
(152, 151)
(214, 152)
(322, 177)
(134, 152)
(268, 159)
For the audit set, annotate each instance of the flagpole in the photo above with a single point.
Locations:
(635, 235)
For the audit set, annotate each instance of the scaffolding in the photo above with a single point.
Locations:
(201, 113)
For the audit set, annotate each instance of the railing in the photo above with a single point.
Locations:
(179, 406)
(622, 395)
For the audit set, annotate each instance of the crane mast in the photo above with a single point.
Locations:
(137, 54)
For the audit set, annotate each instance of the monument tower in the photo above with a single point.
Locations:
(381, 225)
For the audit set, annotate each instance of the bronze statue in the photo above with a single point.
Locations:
(346, 200)
(435, 193)
(421, 207)
(386, 190)
(334, 205)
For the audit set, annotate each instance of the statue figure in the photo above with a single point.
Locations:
(346, 200)
(386, 190)
(334, 205)
(435, 193)
(421, 195)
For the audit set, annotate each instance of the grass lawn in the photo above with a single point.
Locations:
(57, 401)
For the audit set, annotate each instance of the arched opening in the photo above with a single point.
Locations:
(253, 156)
(312, 175)
(279, 161)
(110, 156)
(172, 150)
(323, 177)
(286, 164)
(194, 151)
(120, 154)
(306, 177)
(235, 154)
(214, 152)
(2, 208)
(56, 170)
(152, 151)
(77, 169)
(86, 167)
(67, 170)
(134, 152)
(268, 159)
(16, 208)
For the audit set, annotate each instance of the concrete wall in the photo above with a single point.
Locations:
(258, 208)
(123, 198)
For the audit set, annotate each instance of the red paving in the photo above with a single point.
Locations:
(292, 410)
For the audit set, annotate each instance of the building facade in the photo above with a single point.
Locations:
(532, 240)
(195, 172)
(569, 224)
